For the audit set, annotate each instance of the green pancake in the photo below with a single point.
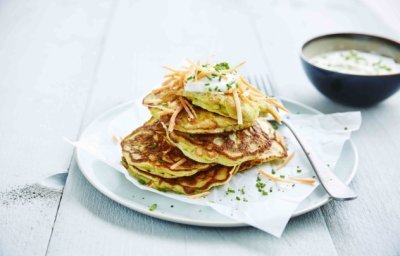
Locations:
(148, 149)
(229, 148)
(203, 181)
(205, 123)
(223, 104)
(198, 183)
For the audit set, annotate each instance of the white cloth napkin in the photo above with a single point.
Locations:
(270, 213)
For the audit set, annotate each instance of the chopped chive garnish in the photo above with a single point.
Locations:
(282, 176)
(229, 190)
(274, 125)
(273, 171)
(152, 207)
(153, 146)
(221, 66)
(238, 198)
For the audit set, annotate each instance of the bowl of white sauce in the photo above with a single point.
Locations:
(353, 69)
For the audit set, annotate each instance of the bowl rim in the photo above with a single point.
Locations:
(346, 35)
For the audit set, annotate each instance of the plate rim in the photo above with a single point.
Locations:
(188, 221)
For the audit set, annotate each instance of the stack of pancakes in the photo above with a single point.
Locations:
(194, 141)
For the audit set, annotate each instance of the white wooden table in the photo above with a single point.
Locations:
(62, 63)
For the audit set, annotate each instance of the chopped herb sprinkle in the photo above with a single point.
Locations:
(221, 66)
(152, 207)
(152, 146)
(260, 185)
(229, 190)
(274, 125)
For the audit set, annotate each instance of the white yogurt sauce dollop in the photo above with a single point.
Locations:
(356, 62)
(212, 84)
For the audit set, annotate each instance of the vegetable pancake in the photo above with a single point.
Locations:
(229, 148)
(205, 180)
(147, 149)
(218, 89)
(206, 122)
(195, 184)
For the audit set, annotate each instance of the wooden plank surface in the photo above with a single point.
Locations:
(66, 62)
(48, 54)
(130, 67)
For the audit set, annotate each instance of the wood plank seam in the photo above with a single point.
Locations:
(92, 85)
(271, 77)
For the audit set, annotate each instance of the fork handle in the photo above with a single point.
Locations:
(331, 183)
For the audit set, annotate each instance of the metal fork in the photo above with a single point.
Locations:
(331, 183)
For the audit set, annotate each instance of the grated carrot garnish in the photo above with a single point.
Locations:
(173, 118)
(308, 181)
(273, 178)
(286, 161)
(238, 107)
(177, 164)
(186, 109)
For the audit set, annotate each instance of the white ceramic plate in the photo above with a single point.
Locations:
(114, 185)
